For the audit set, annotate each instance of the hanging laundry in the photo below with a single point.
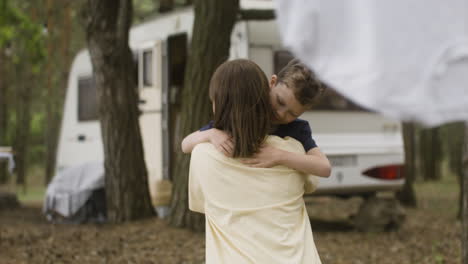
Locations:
(407, 59)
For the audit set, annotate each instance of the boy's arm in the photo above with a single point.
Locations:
(220, 139)
(190, 141)
(313, 162)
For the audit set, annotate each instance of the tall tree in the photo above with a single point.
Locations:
(59, 26)
(23, 125)
(430, 153)
(3, 114)
(4, 43)
(454, 134)
(25, 57)
(50, 134)
(407, 196)
(166, 5)
(107, 30)
(214, 21)
(63, 31)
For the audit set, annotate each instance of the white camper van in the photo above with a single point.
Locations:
(366, 149)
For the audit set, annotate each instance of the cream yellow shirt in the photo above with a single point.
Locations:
(253, 215)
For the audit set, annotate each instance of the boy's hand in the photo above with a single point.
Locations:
(222, 141)
(266, 157)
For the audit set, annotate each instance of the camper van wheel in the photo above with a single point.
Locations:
(378, 214)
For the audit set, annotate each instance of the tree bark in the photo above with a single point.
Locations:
(3, 116)
(407, 196)
(430, 147)
(210, 44)
(453, 138)
(50, 134)
(57, 76)
(107, 29)
(22, 133)
(166, 5)
(257, 14)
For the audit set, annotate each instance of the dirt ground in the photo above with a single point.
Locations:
(430, 234)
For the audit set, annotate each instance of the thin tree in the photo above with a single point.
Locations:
(430, 153)
(3, 113)
(452, 137)
(22, 132)
(407, 196)
(25, 57)
(166, 5)
(210, 44)
(51, 128)
(107, 29)
(59, 28)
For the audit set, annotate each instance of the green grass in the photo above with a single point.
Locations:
(34, 190)
(32, 194)
(439, 195)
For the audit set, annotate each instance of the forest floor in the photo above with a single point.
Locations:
(430, 234)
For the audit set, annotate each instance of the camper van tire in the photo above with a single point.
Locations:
(379, 214)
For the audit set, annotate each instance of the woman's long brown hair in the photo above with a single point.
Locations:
(240, 91)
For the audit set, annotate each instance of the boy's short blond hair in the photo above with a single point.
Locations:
(303, 81)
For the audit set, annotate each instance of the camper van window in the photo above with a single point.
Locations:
(147, 68)
(87, 99)
(135, 63)
(177, 57)
(330, 100)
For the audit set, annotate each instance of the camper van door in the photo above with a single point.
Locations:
(150, 88)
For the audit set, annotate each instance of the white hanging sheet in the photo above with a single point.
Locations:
(407, 59)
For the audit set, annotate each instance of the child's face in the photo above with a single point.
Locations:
(285, 105)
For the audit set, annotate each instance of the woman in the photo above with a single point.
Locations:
(293, 91)
(253, 215)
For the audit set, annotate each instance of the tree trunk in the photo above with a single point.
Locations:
(166, 5)
(107, 29)
(407, 196)
(257, 14)
(464, 183)
(455, 139)
(3, 116)
(50, 135)
(57, 76)
(210, 44)
(22, 133)
(430, 147)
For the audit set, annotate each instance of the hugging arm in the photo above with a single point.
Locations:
(313, 162)
(220, 139)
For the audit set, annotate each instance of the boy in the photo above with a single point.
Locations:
(292, 92)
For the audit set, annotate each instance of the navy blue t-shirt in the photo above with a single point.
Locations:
(298, 129)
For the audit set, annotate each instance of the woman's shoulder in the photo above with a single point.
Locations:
(202, 148)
